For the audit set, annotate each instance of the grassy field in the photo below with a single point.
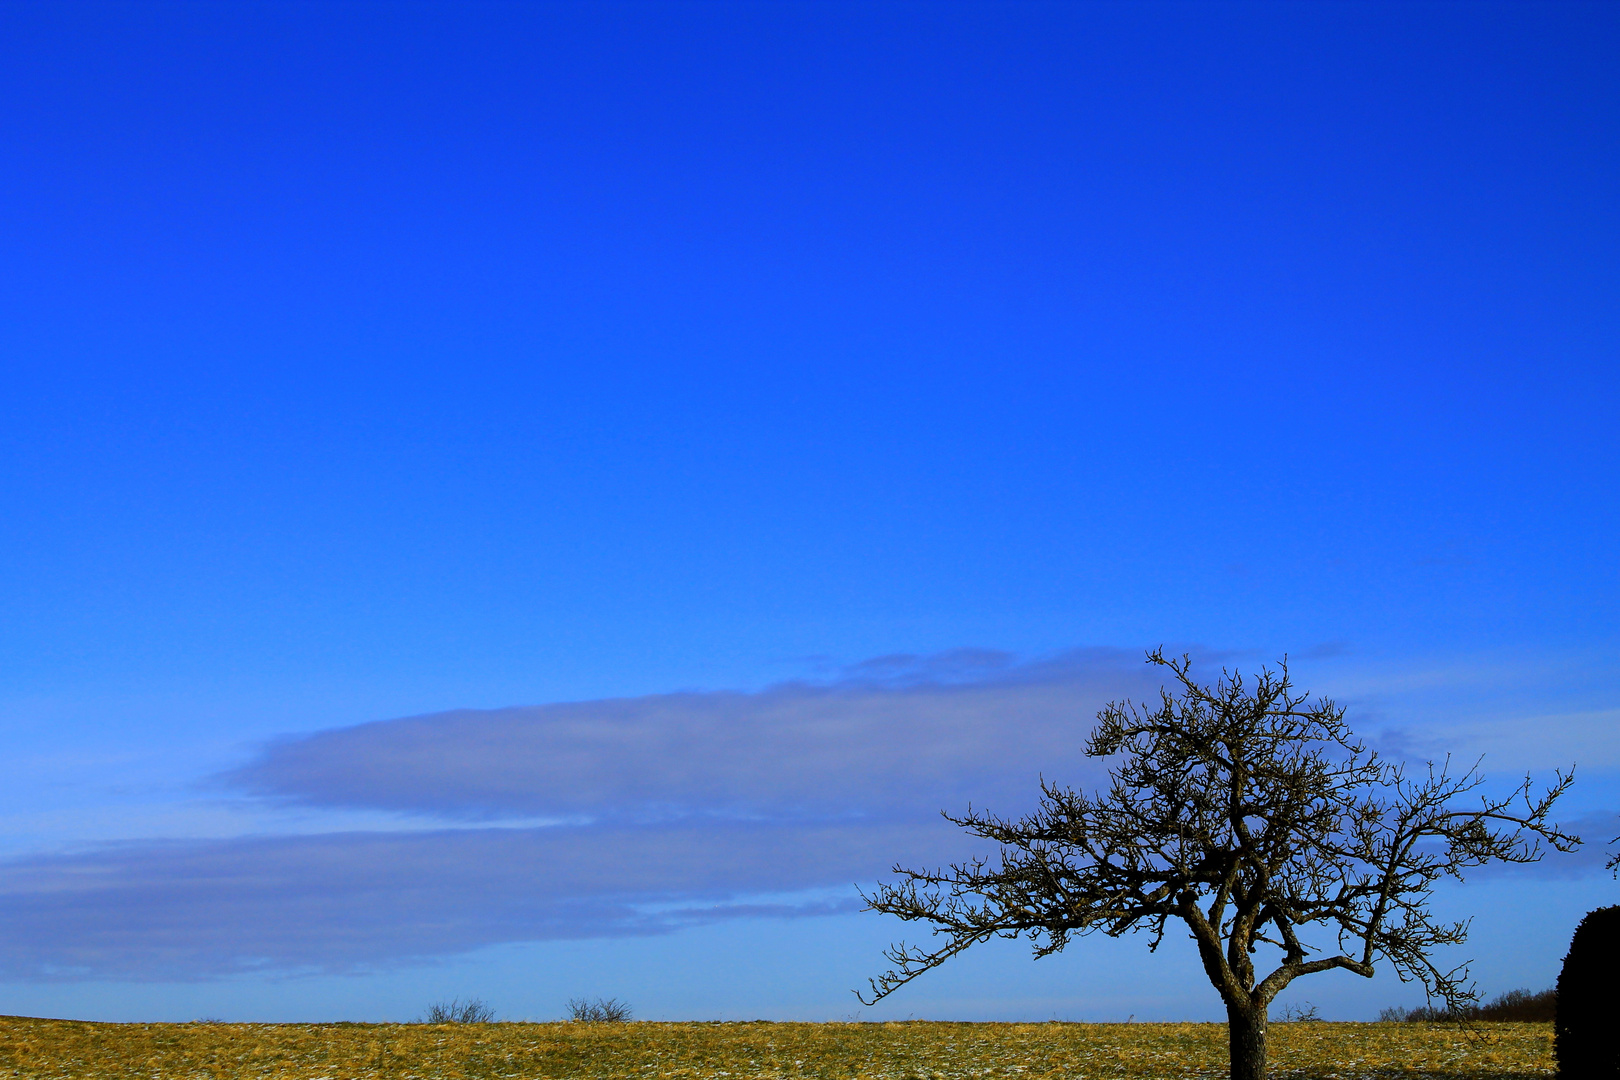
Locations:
(63, 1048)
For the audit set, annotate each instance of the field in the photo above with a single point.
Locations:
(63, 1048)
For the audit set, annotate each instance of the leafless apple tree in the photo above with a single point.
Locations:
(1253, 817)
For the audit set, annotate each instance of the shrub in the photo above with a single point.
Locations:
(1521, 1006)
(600, 1011)
(1584, 1043)
(1422, 1014)
(456, 1011)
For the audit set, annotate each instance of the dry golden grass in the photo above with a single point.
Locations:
(64, 1048)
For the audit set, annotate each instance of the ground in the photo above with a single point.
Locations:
(909, 1051)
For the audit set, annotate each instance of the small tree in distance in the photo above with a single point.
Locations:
(1253, 817)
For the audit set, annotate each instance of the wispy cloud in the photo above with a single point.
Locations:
(663, 811)
(353, 901)
(894, 736)
(1598, 829)
(669, 809)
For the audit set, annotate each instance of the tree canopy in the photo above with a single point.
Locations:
(1251, 816)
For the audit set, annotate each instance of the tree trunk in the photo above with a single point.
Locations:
(1246, 1033)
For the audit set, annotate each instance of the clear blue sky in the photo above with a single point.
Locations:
(363, 362)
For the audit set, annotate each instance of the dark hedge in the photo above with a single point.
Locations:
(1586, 1032)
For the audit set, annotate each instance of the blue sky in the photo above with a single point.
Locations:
(735, 432)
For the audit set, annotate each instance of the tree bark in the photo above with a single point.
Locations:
(1246, 1034)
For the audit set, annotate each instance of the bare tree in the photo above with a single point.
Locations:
(456, 1011)
(1253, 817)
(600, 1011)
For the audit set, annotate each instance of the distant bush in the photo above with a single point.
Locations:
(456, 1011)
(1584, 1043)
(600, 1011)
(1520, 1006)
(1422, 1014)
